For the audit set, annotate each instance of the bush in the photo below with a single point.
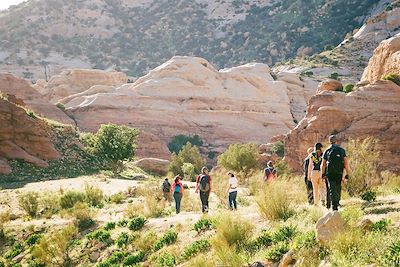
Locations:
(33, 239)
(369, 196)
(122, 239)
(202, 245)
(188, 154)
(50, 204)
(133, 210)
(235, 231)
(188, 171)
(278, 149)
(110, 226)
(392, 255)
(274, 203)
(146, 242)
(305, 240)
(53, 249)
(334, 75)
(364, 158)
(114, 260)
(29, 203)
(94, 196)
(114, 143)
(276, 251)
(203, 224)
(262, 241)
(70, 198)
(117, 198)
(392, 77)
(381, 225)
(100, 235)
(134, 258)
(284, 233)
(137, 223)
(348, 88)
(166, 260)
(14, 251)
(83, 216)
(241, 158)
(179, 141)
(60, 106)
(168, 238)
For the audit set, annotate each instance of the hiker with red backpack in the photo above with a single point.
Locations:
(270, 173)
(334, 162)
(203, 185)
(315, 175)
(177, 193)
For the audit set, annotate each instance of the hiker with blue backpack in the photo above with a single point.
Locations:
(334, 162)
(203, 186)
(177, 193)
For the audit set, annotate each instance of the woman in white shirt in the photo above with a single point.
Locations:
(232, 190)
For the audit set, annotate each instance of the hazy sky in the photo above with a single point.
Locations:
(4, 4)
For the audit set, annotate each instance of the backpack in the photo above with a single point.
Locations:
(335, 160)
(166, 186)
(204, 183)
(177, 188)
(316, 160)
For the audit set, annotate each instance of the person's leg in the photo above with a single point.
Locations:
(207, 195)
(309, 189)
(202, 199)
(322, 189)
(230, 200)
(335, 187)
(328, 194)
(234, 200)
(315, 185)
(179, 203)
(176, 198)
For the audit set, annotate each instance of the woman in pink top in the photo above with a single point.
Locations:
(177, 192)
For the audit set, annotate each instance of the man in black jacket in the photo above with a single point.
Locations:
(308, 183)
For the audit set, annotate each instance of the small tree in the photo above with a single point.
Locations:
(348, 88)
(114, 143)
(188, 154)
(240, 158)
(29, 202)
(278, 149)
(188, 171)
(177, 142)
(392, 77)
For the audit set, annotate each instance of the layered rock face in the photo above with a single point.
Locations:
(23, 137)
(372, 110)
(32, 99)
(77, 81)
(188, 96)
(386, 60)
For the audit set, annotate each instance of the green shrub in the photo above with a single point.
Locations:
(392, 255)
(114, 260)
(94, 196)
(14, 251)
(70, 198)
(203, 224)
(276, 251)
(168, 238)
(50, 204)
(179, 141)
(278, 149)
(188, 154)
(60, 106)
(235, 231)
(134, 258)
(199, 246)
(83, 216)
(29, 203)
(305, 240)
(188, 171)
(334, 75)
(348, 88)
(284, 233)
(136, 223)
(122, 223)
(392, 77)
(117, 198)
(369, 196)
(31, 113)
(110, 226)
(33, 239)
(263, 240)
(122, 239)
(145, 242)
(100, 235)
(240, 158)
(114, 143)
(166, 260)
(381, 225)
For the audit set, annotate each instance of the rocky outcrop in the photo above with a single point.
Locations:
(386, 59)
(189, 96)
(329, 85)
(371, 110)
(76, 81)
(32, 99)
(23, 137)
(328, 226)
(159, 166)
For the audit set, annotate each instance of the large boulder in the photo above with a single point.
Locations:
(21, 89)
(328, 227)
(159, 166)
(369, 111)
(385, 60)
(330, 85)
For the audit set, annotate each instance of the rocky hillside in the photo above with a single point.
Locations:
(40, 37)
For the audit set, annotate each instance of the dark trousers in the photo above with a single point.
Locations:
(328, 195)
(309, 189)
(178, 198)
(232, 200)
(204, 200)
(335, 188)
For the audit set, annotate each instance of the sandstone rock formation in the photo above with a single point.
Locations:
(189, 96)
(328, 227)
(372, 110)
(329, 85)
(76, 81)
(385, 60)
(23, 137)
(22, 89)
(159, 166)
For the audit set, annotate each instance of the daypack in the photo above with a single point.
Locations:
(204, 183)
(271, 174)
(335, 160)
(166, 186)
(177, 188)
(316, 160)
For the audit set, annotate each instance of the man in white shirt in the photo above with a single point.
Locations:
(232, 190)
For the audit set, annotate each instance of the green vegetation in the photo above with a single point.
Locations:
(278, 149)
(188, 154)
(168, 238)
(334, 75)
(136, 223)
(392, 77)
(348, 88)
(203, 224)
(202, 245)
(178, 142)
(29, 203)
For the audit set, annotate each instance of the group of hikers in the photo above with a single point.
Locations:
(323, 176)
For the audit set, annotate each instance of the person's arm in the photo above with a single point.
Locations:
(181, 189)
(210, 182)
(323, 168)
(346, 165)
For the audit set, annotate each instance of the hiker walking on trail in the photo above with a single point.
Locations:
(315, 175)
(203, 185)
(269, 173)
(166, 189)
(232, 190)
(308, 183)
(177, 192)
(334, 162)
